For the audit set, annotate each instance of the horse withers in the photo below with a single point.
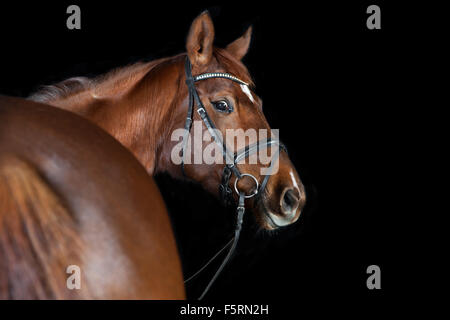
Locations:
(71, 195)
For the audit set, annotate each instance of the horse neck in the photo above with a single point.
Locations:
(137, 113)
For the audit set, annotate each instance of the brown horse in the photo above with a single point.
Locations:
(141, 106)
(70, 194)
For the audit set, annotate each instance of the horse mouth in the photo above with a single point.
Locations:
(269, 221)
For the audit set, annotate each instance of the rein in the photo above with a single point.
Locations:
(231, 161)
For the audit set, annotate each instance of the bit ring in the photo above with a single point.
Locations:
(254, 179)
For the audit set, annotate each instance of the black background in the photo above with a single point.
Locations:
(332, 87)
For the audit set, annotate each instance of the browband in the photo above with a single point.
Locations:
(219, 75)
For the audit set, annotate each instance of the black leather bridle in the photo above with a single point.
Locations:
(231, 160)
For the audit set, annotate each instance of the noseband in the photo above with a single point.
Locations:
(231, 160)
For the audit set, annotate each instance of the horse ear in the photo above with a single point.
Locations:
(239, 47)
(200, 40)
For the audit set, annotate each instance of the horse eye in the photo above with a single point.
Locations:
(222, 106)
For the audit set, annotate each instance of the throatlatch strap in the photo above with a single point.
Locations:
(188, 123)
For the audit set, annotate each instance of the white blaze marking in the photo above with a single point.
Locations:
(246, 90)
(293, 180)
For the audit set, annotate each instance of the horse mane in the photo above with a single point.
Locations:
(61, 90)
(112, 81)
(38, 236)
(102, 85)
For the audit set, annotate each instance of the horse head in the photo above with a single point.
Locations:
(223, 86)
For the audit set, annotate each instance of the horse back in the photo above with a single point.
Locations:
(88, 202)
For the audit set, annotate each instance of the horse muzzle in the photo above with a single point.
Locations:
(288, 210)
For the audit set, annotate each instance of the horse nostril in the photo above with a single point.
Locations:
(290, 201)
